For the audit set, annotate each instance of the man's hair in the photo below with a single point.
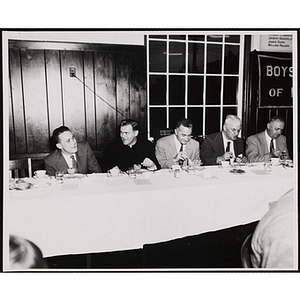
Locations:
(184, 122)
(230, 118)
(57, 132)
(276, 118)
(24, 254)
(133, 123)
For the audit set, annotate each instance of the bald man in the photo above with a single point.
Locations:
(222, 146)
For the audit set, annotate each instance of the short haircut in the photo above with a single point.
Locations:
(184, 122)
(24, 254)
(276, 118)
(57, 132)
(230, 118)
(133, 123)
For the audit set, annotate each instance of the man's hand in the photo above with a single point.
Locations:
(182, 155)
(148, 163)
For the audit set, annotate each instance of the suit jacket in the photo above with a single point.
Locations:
(257, 148)
(213, 147)
(86, 161)
(165, 150)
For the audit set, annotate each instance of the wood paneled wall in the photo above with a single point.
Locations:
(43, 96)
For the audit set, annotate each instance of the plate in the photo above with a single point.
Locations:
(21, 186)
(41, 184)
(73, 176)
(237, 171)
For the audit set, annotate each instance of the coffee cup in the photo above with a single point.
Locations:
(175, 167)
(225, 164)
(114, 172)
(275, 161)
(40, 173)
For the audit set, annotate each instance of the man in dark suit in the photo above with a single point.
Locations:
(268, 143)
(70, 154)
(221, 146)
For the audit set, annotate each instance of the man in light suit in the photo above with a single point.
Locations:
(222, 146)
(268, 143)
(70, 154)
(179, 147)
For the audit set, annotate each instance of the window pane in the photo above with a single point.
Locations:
(157, 36)
(212, 120)
(230, 90)
(175, 114)
(176, 90)
(231, 63)
(158, 89)
(196, 37)
(232, 38)
(214, 38)
(196, 115)
(213, 90)
(196, 58)
(158, 119)
(214, 58)
(195, 90)
(229, 111)
(177, 37)
(157, 56)
(177, 57)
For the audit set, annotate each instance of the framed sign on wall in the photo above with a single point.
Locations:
(275, 81)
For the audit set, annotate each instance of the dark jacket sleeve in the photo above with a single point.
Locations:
(92, 163)
(207, 154)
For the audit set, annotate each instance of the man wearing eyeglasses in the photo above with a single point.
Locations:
(179, 147)
(224, 145)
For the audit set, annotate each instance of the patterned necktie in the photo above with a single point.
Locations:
(74, 163)
(228, 147)
(181, 161)
(271, 146)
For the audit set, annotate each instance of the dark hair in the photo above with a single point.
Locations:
(57, 132)
(184, 122)
(276, 118)
(133, 123)
(24, 254)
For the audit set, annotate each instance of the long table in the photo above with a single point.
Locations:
(98, 214)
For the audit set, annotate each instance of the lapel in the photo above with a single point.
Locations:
(263, 142)
(80, 157)
(219, 145)
(61, 163)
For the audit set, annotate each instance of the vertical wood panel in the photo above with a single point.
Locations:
(122, 86)
(54, 89)
(17, 101)
(90, 98)
(138, 99)
(105, 88)
(34, 87)
(12, 145)
(73, 96)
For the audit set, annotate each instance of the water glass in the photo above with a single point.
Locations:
(59, 177)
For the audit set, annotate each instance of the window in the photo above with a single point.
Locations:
(193, 76)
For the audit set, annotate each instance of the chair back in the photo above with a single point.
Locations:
(20, 168)
(246, 251)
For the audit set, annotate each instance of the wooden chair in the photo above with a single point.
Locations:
(20, 168)
(246, 251)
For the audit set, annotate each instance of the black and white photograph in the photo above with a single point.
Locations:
(150, 150)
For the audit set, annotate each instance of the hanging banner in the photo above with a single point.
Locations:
(275, 81)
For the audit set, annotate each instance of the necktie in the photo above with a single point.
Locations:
(181, 161)
(74, 163)
(271, 146)
(228, 147)
(181, 148)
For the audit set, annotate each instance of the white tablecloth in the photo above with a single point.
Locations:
(97, 213)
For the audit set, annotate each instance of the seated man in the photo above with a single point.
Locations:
(70, 155)
(224, 145)
(178, 147)
(128, 150)
(268, 143)
(274, 242)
